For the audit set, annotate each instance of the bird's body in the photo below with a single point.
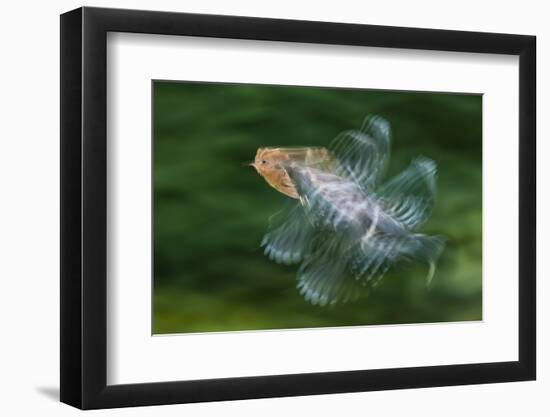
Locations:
(346, 229)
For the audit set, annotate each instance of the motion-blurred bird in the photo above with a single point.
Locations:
(347, 229)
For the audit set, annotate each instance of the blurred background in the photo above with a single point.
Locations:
(210, 212)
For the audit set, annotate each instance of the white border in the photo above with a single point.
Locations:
(135, 356)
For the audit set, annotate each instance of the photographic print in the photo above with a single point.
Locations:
(285, 207)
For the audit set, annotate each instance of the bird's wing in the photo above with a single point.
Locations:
(323, 276)
(330, 202)
(312, 156)
(363, 154)
(374, 256)
(333, 205)
(409, 197)
(288, 236)
(343, 259)
(337, 270)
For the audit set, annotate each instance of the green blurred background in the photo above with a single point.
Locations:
(210, 212)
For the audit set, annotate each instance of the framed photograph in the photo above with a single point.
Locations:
(257, 208)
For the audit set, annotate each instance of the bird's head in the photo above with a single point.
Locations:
(268, 161)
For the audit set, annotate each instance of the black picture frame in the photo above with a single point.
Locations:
(84, 207)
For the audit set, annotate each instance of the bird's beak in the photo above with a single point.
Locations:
(249, 164)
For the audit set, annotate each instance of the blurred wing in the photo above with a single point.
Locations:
(323, 277)
(337, 271)
(288, 236)
(330, 201)
(363, 154)
(378, 253)
(310, 156)
(332, 205)
(409, 197)
(374, 256)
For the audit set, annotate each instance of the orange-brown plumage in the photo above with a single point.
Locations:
(270, 163)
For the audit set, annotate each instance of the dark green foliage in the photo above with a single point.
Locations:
(210, 212)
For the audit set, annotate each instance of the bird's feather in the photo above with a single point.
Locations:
(288, 236)
(363, 154)
(330, 201)
(323, 277)
(409, 197)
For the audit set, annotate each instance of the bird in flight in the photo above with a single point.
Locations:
(347, 226)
